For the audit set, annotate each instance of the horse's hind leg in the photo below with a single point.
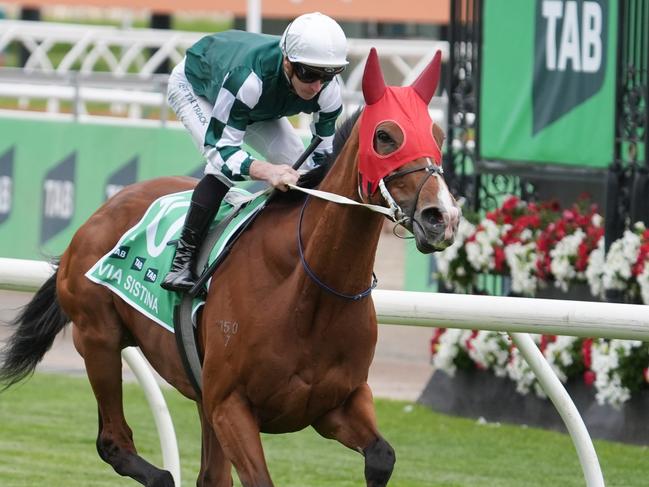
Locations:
(101, 351)
(354, 425)
(216, 469)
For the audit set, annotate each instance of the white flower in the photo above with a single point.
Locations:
(597, 220)
(520, 372)
(620, 258)
(643, 282)
(605, 363)
(521, 259)
(444, 258)
(480, 251)
(490, 350)
(561, 266)
(559, 355)
(595, 270)
(450, 343)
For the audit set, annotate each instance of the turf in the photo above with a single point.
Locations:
(48, 427)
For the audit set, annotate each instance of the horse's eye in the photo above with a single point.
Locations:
(384, 137)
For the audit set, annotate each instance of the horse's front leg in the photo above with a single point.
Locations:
(238, 433)
(354, 425)
(215, 467)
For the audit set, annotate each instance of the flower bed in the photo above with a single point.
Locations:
(538, 246)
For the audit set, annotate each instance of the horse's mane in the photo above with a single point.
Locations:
(314, 177)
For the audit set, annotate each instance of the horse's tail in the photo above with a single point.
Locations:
(36, 326)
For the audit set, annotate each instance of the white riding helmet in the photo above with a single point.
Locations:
(315, 40)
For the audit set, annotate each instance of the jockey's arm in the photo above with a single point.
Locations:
(230, 118)
(324, 121)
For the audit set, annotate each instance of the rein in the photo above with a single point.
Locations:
(312, 274)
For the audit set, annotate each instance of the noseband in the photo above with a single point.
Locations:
(399, 216)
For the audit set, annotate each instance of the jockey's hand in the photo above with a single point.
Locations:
(277, 175)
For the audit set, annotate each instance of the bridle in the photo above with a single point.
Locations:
(400, 217)
(396, 214)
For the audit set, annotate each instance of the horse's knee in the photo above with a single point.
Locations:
(379, 463)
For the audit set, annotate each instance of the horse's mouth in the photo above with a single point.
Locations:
(431, 242)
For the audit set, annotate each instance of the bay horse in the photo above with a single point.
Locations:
(304, 340)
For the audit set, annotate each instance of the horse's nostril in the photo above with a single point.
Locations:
(432, 216)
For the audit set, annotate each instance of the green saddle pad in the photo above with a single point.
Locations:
(134, 268)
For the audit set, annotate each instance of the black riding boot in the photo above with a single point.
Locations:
(206, 200)
(181, 276)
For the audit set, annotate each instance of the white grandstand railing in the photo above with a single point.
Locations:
(128, 54)
(517, 316)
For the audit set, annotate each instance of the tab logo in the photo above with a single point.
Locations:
(120, 252)
(122, 177)
(6, 184)
(151, 275)
(58, 198)
(570, 56)
(138, 263)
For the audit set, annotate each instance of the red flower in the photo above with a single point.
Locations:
(435, 340)
(589, 377)
(510, 203)
(587, 352)
(639, 265)
(499, 259)
(469, 341)
(583, 253)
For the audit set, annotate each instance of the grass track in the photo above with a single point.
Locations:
(48, 427)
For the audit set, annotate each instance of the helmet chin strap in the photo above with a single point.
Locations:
(288, 78)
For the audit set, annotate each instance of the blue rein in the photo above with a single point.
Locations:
(312, 275)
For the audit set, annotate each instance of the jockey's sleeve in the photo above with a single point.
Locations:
(324, 120)
(238, 95)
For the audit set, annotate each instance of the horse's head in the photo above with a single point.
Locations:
(400, 156)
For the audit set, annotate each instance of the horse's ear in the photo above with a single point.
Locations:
(373, 82)
(426, 84)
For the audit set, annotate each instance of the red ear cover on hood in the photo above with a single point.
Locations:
(426, 83)
(405, 106)
(373, 82)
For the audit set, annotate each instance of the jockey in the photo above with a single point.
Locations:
(235, 87)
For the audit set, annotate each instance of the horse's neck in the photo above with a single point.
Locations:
(341, 241)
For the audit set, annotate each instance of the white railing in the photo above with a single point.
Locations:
(518, 316)
(118, 52)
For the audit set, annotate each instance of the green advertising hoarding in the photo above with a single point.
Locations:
(54, 175)
(548, 81)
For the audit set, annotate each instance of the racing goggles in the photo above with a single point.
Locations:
(311, 74)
